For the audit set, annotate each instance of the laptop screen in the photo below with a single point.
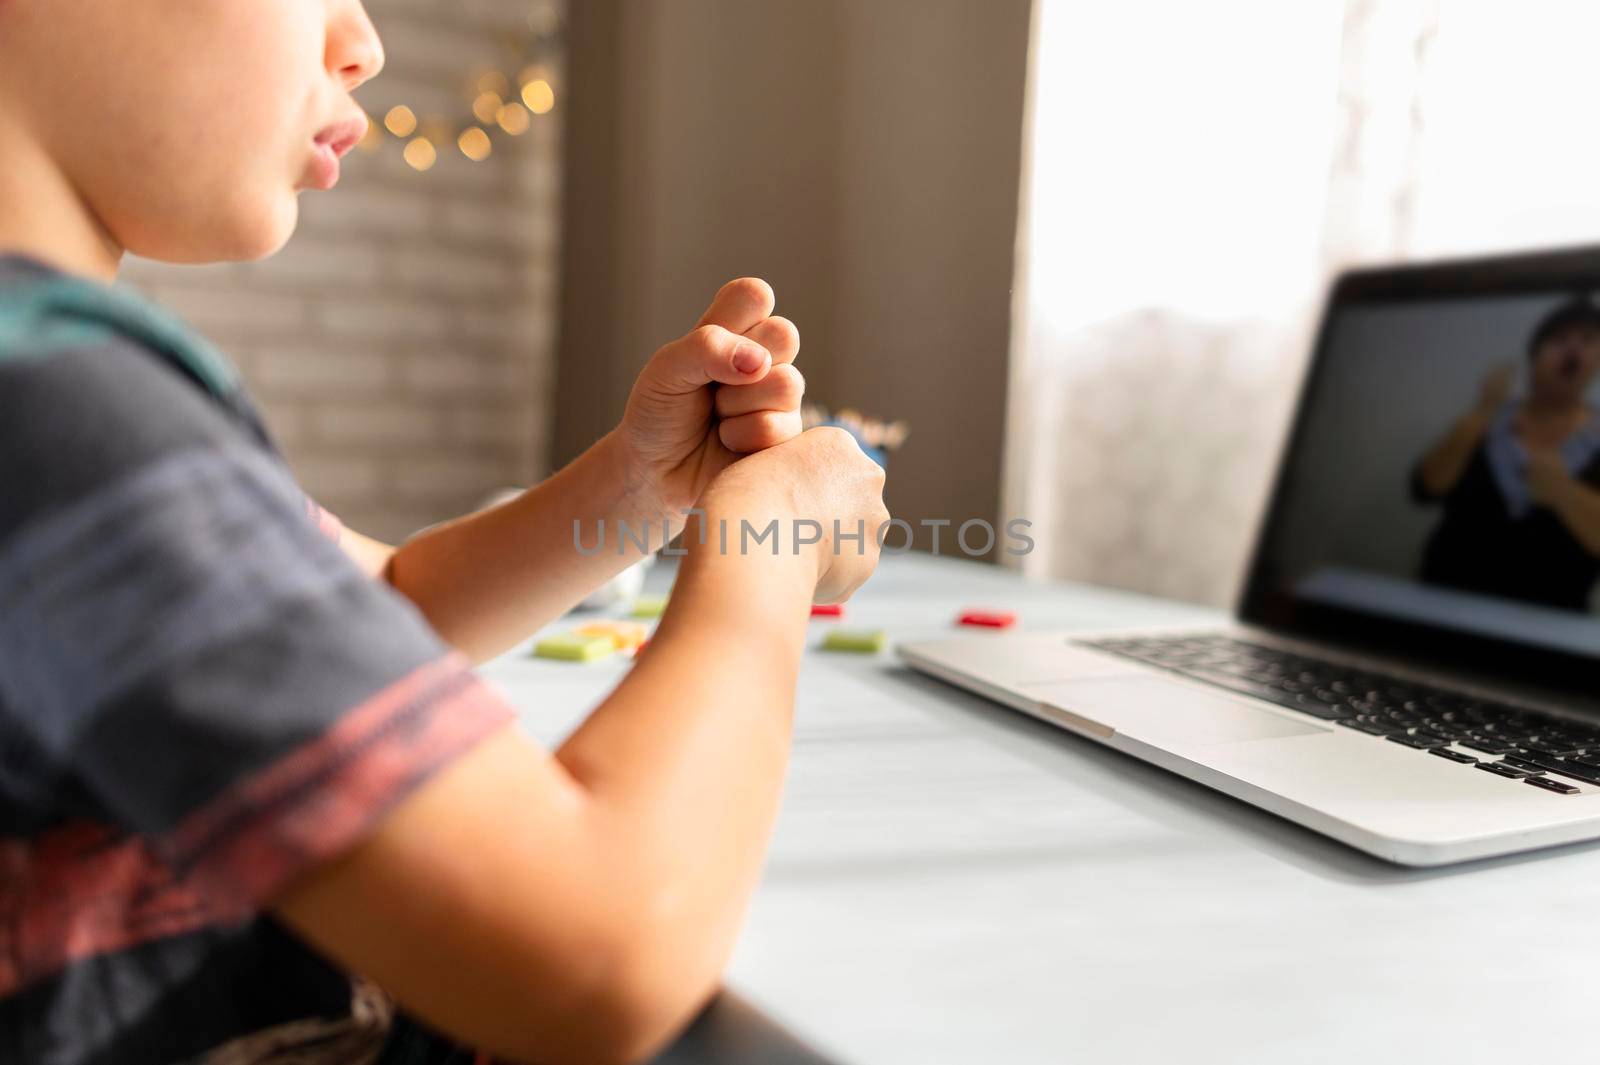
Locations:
(1441, 494)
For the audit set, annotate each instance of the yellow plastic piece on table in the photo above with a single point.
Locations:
(859, 642)
(571, 647)
(649, 606)
(626, 635)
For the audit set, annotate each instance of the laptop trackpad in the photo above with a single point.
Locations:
(1160, 711)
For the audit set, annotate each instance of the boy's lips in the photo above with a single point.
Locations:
(342, 136)
(322, 172)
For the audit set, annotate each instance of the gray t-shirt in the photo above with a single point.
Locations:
(201, 696)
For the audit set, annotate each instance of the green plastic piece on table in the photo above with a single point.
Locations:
(869, 643)
(649, 606)
(570, 647)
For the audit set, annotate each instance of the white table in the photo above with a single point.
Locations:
(951, 881)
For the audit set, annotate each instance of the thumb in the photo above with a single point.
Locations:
(709, 355)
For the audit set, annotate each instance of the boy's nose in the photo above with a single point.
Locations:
(355, 54)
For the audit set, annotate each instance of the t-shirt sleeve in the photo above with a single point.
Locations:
(327, 522)
(187, 658)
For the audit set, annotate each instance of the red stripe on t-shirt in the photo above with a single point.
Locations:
(326, 521)
(84, 889)
(81, 890)
(246, 843)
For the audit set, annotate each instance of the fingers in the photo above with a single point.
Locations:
(778, 335)
(764, 414)
(854, 489)
(781, 390)
(740, 305)
(710, 354)
(758, 431)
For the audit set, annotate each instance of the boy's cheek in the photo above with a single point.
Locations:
(234, 217)
(223, 138)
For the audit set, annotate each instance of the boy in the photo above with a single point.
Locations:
(255, 805)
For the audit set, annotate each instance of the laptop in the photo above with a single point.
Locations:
(1413, 666)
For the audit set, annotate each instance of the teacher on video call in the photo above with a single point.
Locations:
(1518, 476)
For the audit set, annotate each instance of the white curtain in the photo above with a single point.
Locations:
(1196, 172)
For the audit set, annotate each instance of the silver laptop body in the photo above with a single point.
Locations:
(1412, 665)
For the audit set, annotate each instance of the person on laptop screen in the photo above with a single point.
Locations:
(1518, 477)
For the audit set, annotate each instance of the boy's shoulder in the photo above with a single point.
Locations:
(97, 384)
(202, 696)
(44, 312)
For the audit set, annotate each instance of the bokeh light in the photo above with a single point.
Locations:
(513, 118)
(487, 106)
(494, 82)
(539, 96)
(421, 154)
(401, 121)
(474, 144)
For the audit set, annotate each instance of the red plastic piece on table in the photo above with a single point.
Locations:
(829, 610)
(988, 619)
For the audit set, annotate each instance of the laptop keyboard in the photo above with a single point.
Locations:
(1508, 741)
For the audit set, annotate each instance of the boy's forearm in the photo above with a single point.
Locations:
(642, 840)
(487, 580)
(686, 758)
(730, 644)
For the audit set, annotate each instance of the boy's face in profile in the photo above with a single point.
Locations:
(187, 127)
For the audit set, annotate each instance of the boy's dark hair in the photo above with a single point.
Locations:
(1580, 311)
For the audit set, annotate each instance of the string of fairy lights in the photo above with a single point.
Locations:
(500, 104)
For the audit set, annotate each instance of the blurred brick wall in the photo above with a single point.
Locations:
(402, 344)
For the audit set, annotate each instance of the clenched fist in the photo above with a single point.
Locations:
(726, 389)
(821, 476)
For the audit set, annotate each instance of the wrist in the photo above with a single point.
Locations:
(752, 518)
(640, 497)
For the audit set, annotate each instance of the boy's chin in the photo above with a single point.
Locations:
(249, 236)
(264, 233)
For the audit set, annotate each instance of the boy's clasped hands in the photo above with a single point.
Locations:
(713, 422)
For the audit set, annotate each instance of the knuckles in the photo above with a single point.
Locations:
(788, 384)
(835, 442)
(778, 335)
(831, 436)
(779, 426)
(842, 444)
(841, 449)
(707, 340)
(759, 430)
(786, 334)
(780, 392)
(751, 289)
